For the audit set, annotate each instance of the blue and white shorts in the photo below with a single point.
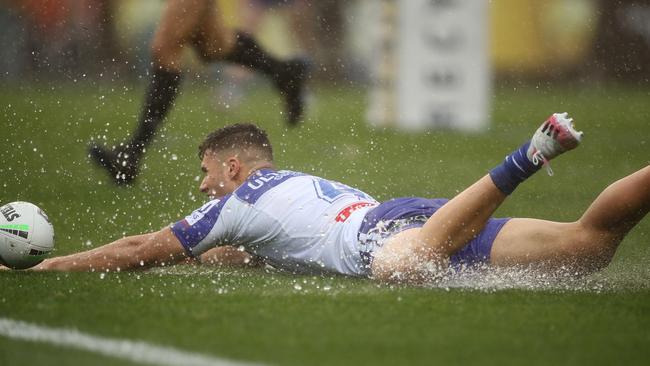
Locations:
(399, 214)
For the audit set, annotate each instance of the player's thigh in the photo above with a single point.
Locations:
(213, 39)
(550, 244)
(180, 20)
(405, 258)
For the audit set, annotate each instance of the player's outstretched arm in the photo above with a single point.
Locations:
(133, 252)
(228, 255)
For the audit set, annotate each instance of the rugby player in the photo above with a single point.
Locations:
(306, 224)
(196, 24)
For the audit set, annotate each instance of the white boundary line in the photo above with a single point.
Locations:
(136, 351)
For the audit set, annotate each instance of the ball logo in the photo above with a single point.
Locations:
(9, 212)
(26, 238)
(18, 230)
(40, 212)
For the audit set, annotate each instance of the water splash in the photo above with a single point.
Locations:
(526, 278)
(620, 276)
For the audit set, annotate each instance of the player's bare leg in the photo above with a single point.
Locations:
(182, 22)
(196, 24)
(214, 42)
(584, 245)
(178, 24)
(413, 254)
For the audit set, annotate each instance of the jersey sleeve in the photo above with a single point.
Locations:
(202, 229)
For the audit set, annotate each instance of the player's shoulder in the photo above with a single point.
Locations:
(209, 210)
(262, 182)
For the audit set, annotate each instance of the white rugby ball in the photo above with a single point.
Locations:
(26, 235)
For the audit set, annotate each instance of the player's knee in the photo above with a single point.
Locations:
(165, 55)
(592, 249)
(158, 52)
(206, 56)
(213, 49)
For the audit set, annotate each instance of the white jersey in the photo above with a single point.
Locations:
(294, 221)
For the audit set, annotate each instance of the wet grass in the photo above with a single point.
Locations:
(275, 318)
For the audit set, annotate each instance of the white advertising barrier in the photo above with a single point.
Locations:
(431, 65)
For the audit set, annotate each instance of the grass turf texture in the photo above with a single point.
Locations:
(277, 318)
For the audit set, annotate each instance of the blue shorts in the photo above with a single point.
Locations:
(399, 214)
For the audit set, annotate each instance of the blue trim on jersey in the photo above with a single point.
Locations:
(191, 234)
(330, 191)
(261, 182)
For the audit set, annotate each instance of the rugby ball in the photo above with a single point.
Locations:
(26, 235)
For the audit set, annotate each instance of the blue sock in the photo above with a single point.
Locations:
(515, 169)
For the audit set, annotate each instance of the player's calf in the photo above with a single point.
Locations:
(291, 85)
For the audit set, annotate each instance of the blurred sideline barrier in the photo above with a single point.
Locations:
(528, 39)
(431, 66)
(536, 37)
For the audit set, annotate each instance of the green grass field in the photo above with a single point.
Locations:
(274, 318)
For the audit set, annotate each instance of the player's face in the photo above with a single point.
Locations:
(217, 180)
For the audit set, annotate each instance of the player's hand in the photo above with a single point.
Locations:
(226, 255)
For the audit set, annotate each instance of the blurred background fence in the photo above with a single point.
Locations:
(576, 40)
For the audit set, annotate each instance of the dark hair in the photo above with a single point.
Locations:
(240, 136)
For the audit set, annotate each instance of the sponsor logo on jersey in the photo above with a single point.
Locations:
(257, 183)
(9, 212)
(197, 215)
(264, 176)
(345, 213)
(261, 182)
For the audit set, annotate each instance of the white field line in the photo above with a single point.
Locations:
(136, 351)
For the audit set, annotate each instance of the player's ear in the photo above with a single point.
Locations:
(234, 166)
